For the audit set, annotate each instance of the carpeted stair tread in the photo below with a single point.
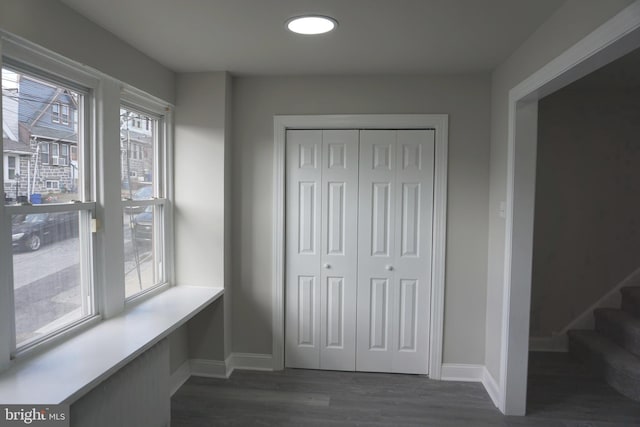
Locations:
(619, 326)
(631, 300)
(620, 368)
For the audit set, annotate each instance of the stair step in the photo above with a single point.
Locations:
(631, 300)
(619, 368)
(619, 326)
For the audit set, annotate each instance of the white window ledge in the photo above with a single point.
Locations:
(66, 372)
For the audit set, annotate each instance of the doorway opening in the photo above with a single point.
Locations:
(612, 40)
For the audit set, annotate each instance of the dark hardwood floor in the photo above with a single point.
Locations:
(561, 393)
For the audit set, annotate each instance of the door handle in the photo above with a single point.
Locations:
(327, 266)
(388, 267)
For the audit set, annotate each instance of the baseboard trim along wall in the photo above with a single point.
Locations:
(219, 368)
(461, 372)
(252, 361)
(491, 385)
(472, 373)
(208, 368)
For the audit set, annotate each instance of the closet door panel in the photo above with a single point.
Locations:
(376, 241)
(412, 263)
(339, 249)
(303, 248)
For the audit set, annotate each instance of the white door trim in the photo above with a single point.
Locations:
(613, 39)
(439, 122)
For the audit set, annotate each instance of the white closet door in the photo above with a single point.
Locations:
(394, 261)
(339, 249)
(303, 248)
(322, 194)
(412, 265)
(376, 249)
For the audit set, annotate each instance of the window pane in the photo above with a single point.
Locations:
(142, 261)
(48, 289)
(33, 133)
(137, 148)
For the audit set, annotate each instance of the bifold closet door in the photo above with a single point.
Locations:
(321, 249)
(394, 250)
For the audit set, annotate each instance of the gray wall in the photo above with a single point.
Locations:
(201, 136)
(569, 24)
(55, 26)
(465, 98)
(178, 348)
(587, 213)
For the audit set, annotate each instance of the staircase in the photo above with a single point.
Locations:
(613, 348)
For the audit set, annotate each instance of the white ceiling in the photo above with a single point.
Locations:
(373, 37)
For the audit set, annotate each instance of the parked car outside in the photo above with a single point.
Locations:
(143, 226)
(142, 193)
(36, 229)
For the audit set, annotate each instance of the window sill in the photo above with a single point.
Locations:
(66, 372)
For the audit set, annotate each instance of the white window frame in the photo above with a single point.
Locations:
(102, 191)
(55, 112)
(63, 158)
(64, 107)
(142, 105)
(55, 187)
(7, 169)
(42, 151)
(38, 67)
(54, 159)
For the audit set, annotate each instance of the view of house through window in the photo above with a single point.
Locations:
(51, 238)
(142, 196)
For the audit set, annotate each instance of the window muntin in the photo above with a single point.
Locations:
(51, 240)
(11, 167)
(55, 112)
(45, 158)
(65, 114)
(144, 202)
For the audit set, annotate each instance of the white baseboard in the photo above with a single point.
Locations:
(555, 343)
(179, 377)
(251, 361)
(208, 368)
(472, 373)
(224, 369)
(461, 372)
(491, 385)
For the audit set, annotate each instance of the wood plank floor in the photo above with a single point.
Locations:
(560, 394)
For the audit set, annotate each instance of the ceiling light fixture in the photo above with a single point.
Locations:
(311, 24)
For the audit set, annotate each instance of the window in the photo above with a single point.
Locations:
(11, 167)
(55, 112)
(144, 203)
(55, 153)
(63, 160)
(59, 258)
(45, 159)
(65, 114)
(51, 242)
(52, 185)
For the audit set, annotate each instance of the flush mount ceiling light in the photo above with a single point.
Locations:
(311, 24)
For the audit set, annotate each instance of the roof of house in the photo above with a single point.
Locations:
(35, 100)
(11, 146)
